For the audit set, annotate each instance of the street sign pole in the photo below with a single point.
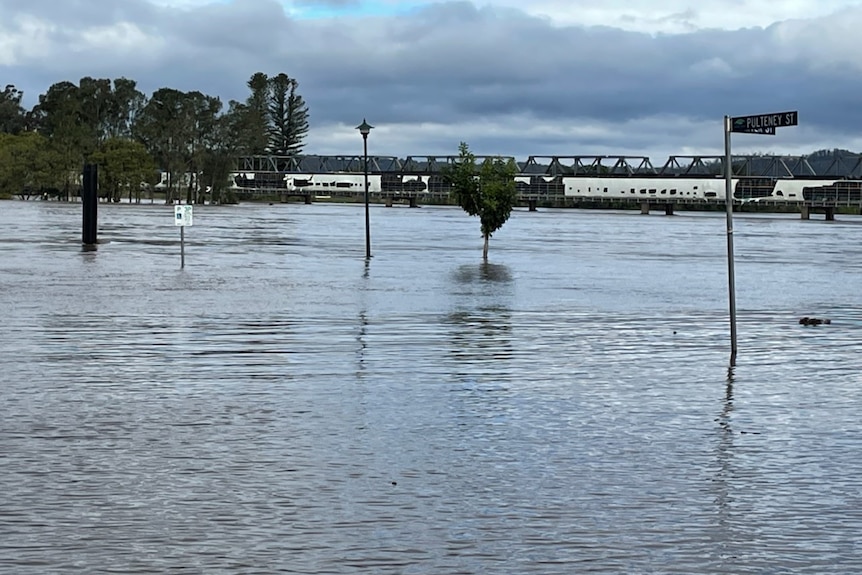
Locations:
(728, 195)
(183, 216)
(757, 124)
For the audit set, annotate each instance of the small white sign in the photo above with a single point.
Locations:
(183, 215)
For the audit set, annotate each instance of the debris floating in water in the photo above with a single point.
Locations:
(814, 321)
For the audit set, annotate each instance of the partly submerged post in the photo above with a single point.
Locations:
(728, 196)
(365, 129)
(183, 216)
(90, 202)
(759, 124)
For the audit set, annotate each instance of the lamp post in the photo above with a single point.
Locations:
(364, 129)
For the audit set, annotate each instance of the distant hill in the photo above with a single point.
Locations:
(832, 154)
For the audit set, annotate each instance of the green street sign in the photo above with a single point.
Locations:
(763, 123)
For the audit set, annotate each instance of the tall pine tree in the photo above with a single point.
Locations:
(287, 115)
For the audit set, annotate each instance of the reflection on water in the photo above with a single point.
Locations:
(484, 335)
(482, 273)
(284, 404)
(724, 474)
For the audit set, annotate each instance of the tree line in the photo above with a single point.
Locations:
(188, 140)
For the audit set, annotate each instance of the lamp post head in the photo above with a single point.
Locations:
(364, 128)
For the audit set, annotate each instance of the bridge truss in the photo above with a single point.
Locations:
(846, 167)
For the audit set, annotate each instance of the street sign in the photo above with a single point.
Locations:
(760, 124)
(183, 215)
(763, 123)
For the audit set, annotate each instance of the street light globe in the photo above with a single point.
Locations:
(364, 128)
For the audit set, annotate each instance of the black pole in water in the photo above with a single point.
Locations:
(90, 201)
(365, 129)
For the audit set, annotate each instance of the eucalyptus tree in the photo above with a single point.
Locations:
(125, 104)
(163, 128)
(487, 191)
(288, 116)
(123, 166)
(220, 158)
(58, 116)
(13, 118)
(180, 129)
(203, 114)
(27, 165)
(95, 99)
(80, 119)
(251, 120)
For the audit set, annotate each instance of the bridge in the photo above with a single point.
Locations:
(838, 167)
(266, 175)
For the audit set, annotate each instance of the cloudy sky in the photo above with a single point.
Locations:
(510, 77)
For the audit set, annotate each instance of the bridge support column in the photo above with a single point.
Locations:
(389, 202)
(307, 198)
(645, 208)
(805, 212)
(830, 214)
(532, 205)
(412, 201)
(668, 209)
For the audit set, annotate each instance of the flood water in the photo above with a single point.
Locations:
(280, 405)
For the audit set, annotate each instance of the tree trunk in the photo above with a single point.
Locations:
(485, 249)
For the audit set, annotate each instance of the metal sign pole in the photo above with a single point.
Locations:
(756, 124)
(183, 216)
(728, 196)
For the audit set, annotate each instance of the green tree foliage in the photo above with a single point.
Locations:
(180, 130)
(487, 191)
(58, 115)
(219, 160)
(12, 115)
(288, 116)
(273, 119)
(203, 116)
(95, 101)
(163, 128)
(28, 165)
(125, 104)
(186, 134)
(250, 124)
(123, 166)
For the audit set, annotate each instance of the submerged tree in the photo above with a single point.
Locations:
(124, 166)
(487, 191)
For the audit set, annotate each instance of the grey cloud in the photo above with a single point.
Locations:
(449, 63)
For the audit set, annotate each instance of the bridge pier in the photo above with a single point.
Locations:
(531, 205)
(829, 211)
(645, 208)
(668, 209)
(389, 201)
(412, 200)
(307, 198)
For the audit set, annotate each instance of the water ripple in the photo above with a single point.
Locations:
(280, 405)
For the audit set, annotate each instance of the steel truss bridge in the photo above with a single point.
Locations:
(264, 175)
(838, 167)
